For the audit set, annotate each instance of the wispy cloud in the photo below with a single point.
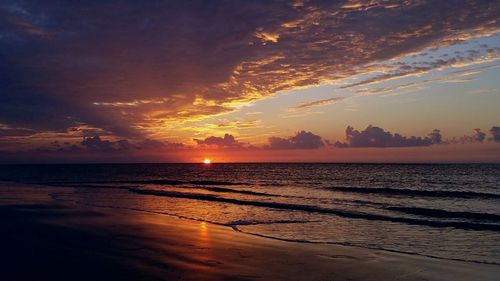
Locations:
(484, 91)
(317, 103)
(459, 76)
(402, 70)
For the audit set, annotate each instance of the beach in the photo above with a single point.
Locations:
(56, 240)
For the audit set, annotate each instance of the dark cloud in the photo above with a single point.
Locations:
(129, 67)
(86, 131)
(434, 136)
(495, 133)
(97, 144)
(377, 137)
(302, 140)
(149, 144)
(95, 149)
(226, 141)
(476, 137)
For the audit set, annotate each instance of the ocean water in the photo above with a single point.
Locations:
(443, 211)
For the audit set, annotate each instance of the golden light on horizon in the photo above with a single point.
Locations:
(207, 161)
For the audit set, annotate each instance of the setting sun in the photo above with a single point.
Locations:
(207, 161)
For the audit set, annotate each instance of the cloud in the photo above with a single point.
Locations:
(302, 140)
(384, 90)
(149, 144)
(238, 124)
(459, 76)
(434, 137)
(483, 91)
(95, 149)
(267, 37)
(377, 137)
(476, 137)
(85, 131)
(99, 145)
(403, 69)
(133, 68)
(317, 103)
(221, 142)
(495, 133)
(6, 131)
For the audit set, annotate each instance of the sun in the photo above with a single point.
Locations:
(207, 161)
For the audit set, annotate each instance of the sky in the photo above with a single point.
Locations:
(249, 81)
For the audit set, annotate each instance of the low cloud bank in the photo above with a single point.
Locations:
(226, 141)
(495, 133)
(377, 137)
(302, 140)
(374, 136)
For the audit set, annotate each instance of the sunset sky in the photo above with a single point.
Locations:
(250, 81)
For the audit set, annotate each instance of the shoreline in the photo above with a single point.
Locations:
(236, 229)
(152, 246)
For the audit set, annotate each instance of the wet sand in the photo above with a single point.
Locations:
(43, 239)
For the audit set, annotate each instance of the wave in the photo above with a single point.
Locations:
(209, 188)
(413, 192)
(85, 185)
(239, 191)
(158, 182)
(445, 214)
(178, 182)
(234, 224)
(314, 209)
(368, 246)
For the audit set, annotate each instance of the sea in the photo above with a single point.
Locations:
(446, 211)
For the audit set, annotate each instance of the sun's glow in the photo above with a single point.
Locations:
(207, 161)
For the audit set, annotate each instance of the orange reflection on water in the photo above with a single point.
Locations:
(203, 225)
(204, 255)
(203, 238)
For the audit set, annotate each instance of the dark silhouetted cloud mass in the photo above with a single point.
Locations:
(302, 140)
(226, 141)
(478, 135)
(377, 137)
(495, 133)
